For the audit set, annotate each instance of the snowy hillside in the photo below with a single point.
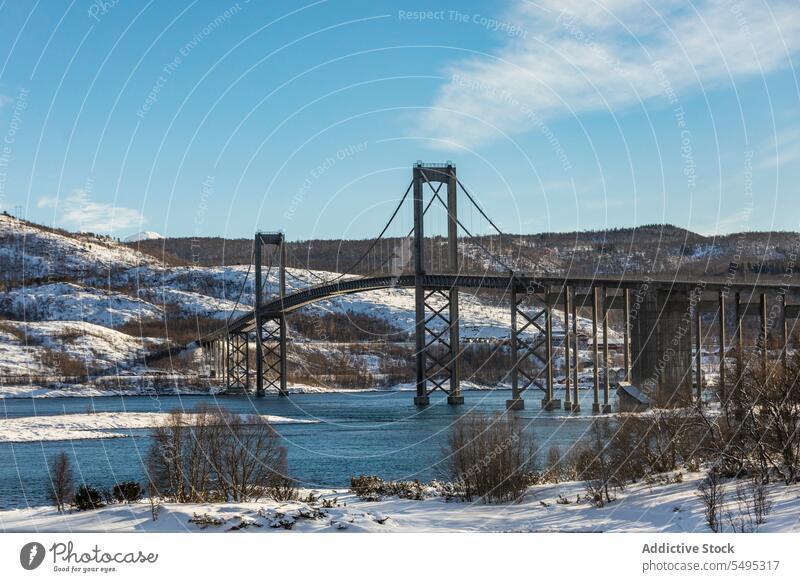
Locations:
(70, 302)
(29, 251)
(66, 348)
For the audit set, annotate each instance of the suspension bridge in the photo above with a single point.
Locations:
(662, 320)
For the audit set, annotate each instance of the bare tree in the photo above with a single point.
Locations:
(61, 481)
(215, 455)
(490, 457)
(247, 458)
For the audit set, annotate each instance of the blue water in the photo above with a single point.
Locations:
(379, 433)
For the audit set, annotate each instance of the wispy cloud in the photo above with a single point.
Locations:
(583, 55)
(78, 211)
(4, 100)
(783, 149)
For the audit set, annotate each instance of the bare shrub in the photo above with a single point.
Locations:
(556, 470)
(490, 457)
(758, 431)
(214, 455)
(594, 463)
(753, 505)
(712, 493)
(61, 482)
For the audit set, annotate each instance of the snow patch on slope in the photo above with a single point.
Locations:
(70, 302)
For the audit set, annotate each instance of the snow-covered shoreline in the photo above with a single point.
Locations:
(97, 425)
(672, 507)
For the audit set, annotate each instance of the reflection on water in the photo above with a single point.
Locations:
(378, 433)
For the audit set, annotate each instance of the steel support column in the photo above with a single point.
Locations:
(238, 365)
(606, 408)
(626, 333)
(273, 354)
(549, 402)
(698, 353)
(531, 346)
(567, 355)
(785, 332)
(422, 398)
(454, 396)
(739, 341)
(762, 337)
(576, 401)
(595, 354)
(723, 341)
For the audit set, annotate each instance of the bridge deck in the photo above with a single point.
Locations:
(298, 299)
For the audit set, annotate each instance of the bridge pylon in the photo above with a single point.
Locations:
(270, 328)
(438, 346)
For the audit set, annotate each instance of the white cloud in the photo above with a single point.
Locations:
(582, 55)
(4, 100)
(77, 211)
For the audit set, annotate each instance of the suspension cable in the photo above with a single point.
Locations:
(385, 228)
(241, 289)
(500, 232)
(477, 239)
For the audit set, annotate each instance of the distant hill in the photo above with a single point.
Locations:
(649, 249)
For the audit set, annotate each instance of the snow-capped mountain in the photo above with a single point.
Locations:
(144, 235)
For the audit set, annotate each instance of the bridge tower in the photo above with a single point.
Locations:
(436, 310)
(270, 328)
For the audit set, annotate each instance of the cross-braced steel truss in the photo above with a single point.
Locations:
(531, 347)
(273, 356)
(441, 361)
(238, 375)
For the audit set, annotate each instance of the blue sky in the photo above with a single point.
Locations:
(216, 118)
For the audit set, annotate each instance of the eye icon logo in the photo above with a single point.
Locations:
(31, 555)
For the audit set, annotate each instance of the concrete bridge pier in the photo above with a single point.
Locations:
(661, 344)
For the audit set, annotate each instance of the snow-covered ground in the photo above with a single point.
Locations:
(97, 425)
(657, 508)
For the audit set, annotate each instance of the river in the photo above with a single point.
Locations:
(379, 433)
